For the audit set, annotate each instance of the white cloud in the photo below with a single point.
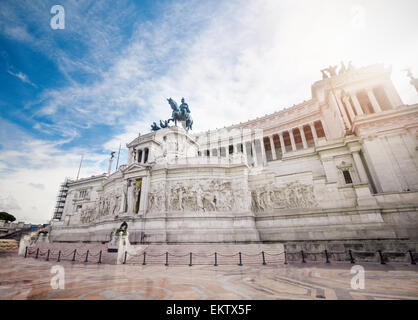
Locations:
(23, 77)
(248, 59)
(32, 172)
(8, 203)
(39, 186)
(18, 33)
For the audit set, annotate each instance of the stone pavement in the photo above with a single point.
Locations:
(30, 279)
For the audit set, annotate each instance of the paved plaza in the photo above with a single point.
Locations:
(29, 278)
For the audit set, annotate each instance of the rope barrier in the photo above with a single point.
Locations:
(177, 258)
(227, 255)
(97, 254)
(203, 256)
(273, 254)
(135, 255)
(252, 255)
(155, 256)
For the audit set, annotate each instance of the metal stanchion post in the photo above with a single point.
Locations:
(240, 259)
(190, 264)
(351, 257)
(166, 259)
(382, 261)
(59, 256)
(87, 256)
(75, 251)
(144, 263)
(47, 256)
(412, 257)
(100, 257)
(264, 260)
(216, 260)
(124, 258)
(37, 253)
(326, 256)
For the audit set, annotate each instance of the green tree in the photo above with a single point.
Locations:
(7, 217)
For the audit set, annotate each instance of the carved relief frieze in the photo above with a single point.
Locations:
(292, 195)
(210, 195)
(108, 204)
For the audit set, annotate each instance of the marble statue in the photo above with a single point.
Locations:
(331, 70)
(134, 154)
(343, 69)
(131, 197)
(350, 66)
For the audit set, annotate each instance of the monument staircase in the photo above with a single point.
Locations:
(16, 235)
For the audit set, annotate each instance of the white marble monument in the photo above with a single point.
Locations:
(341, 166)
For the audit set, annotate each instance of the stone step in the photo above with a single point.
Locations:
(7, 245)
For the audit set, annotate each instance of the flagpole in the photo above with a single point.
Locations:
(79, 168)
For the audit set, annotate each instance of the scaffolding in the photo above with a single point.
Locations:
(62, 196)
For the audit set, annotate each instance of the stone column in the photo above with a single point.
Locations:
(292, 140)
(373, 100)
(208, 147)
(124, 198)
(143, 205)
(282, 143)
(392, 94)
(360, 167)
(254, 152)
(346, 100)
(263, 151)
(343, 112)
(302, 134)
(325, 128)
(356, 103)
(244, 150)
(273, 148)
(314, 135)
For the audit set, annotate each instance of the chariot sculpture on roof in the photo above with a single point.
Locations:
(181, 114)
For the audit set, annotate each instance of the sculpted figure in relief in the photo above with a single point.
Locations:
(206, 196)
(157, 198)
(293, 195)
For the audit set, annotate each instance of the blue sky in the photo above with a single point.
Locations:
(105, 77)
